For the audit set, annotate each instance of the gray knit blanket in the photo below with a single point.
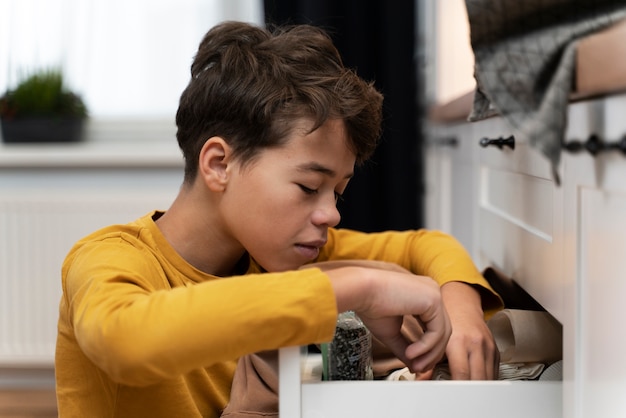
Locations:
(525, 54)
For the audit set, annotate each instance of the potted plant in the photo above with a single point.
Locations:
(41, 109)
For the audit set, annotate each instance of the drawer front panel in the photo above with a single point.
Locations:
(432, 399)
(523, 200)
(520, 212)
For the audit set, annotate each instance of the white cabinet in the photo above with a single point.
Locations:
(565, 245)
(595, 263)
(452, 182)
(501, 203)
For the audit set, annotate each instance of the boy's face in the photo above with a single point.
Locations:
(279, 207)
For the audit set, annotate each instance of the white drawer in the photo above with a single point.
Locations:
(520, 218)
(375, 399)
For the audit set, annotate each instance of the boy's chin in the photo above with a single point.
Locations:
(277, 267)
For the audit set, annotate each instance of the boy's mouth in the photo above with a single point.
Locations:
(310, 250)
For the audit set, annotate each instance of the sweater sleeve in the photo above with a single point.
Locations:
(137, 329)
(423, 252)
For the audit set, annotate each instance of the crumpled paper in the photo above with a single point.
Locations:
(527, 336)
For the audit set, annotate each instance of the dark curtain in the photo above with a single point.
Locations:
(377, 39)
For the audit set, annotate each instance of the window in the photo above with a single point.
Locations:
(128, 59)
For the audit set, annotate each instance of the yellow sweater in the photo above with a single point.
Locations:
(142, 333)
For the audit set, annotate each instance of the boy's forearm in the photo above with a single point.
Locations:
(461, 296)
(351, 288)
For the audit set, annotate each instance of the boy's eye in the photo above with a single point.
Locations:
(307, 190)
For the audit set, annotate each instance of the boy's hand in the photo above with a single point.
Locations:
(472, 353)
(381, 298)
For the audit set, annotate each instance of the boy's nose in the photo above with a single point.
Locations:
(328, 215)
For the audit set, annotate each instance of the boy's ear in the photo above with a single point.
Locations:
(213, 161)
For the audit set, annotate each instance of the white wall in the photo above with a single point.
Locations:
(450, 65)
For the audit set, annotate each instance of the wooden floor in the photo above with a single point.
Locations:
(30, 403)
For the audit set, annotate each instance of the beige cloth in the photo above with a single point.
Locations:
(255, 387)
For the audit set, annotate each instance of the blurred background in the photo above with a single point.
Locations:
(129, 61)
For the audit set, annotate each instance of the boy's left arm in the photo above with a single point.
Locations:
(469, 299)
(471, 350)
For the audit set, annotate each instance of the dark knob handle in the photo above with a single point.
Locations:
(594, 145)
(498, 142)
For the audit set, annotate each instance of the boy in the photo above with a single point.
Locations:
(155, 313)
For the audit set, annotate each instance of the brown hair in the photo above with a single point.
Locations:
(248, 84)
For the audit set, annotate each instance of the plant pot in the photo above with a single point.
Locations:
(42, 130)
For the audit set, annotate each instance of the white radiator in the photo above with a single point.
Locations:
(36, 232)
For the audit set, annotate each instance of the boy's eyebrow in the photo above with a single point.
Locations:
(313, 166)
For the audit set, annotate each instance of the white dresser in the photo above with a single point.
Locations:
(565, 245)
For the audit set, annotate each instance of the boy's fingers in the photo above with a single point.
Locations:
(430, 348)
(398, 347)
(425, 354)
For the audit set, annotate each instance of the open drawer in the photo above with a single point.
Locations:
(375, 399)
